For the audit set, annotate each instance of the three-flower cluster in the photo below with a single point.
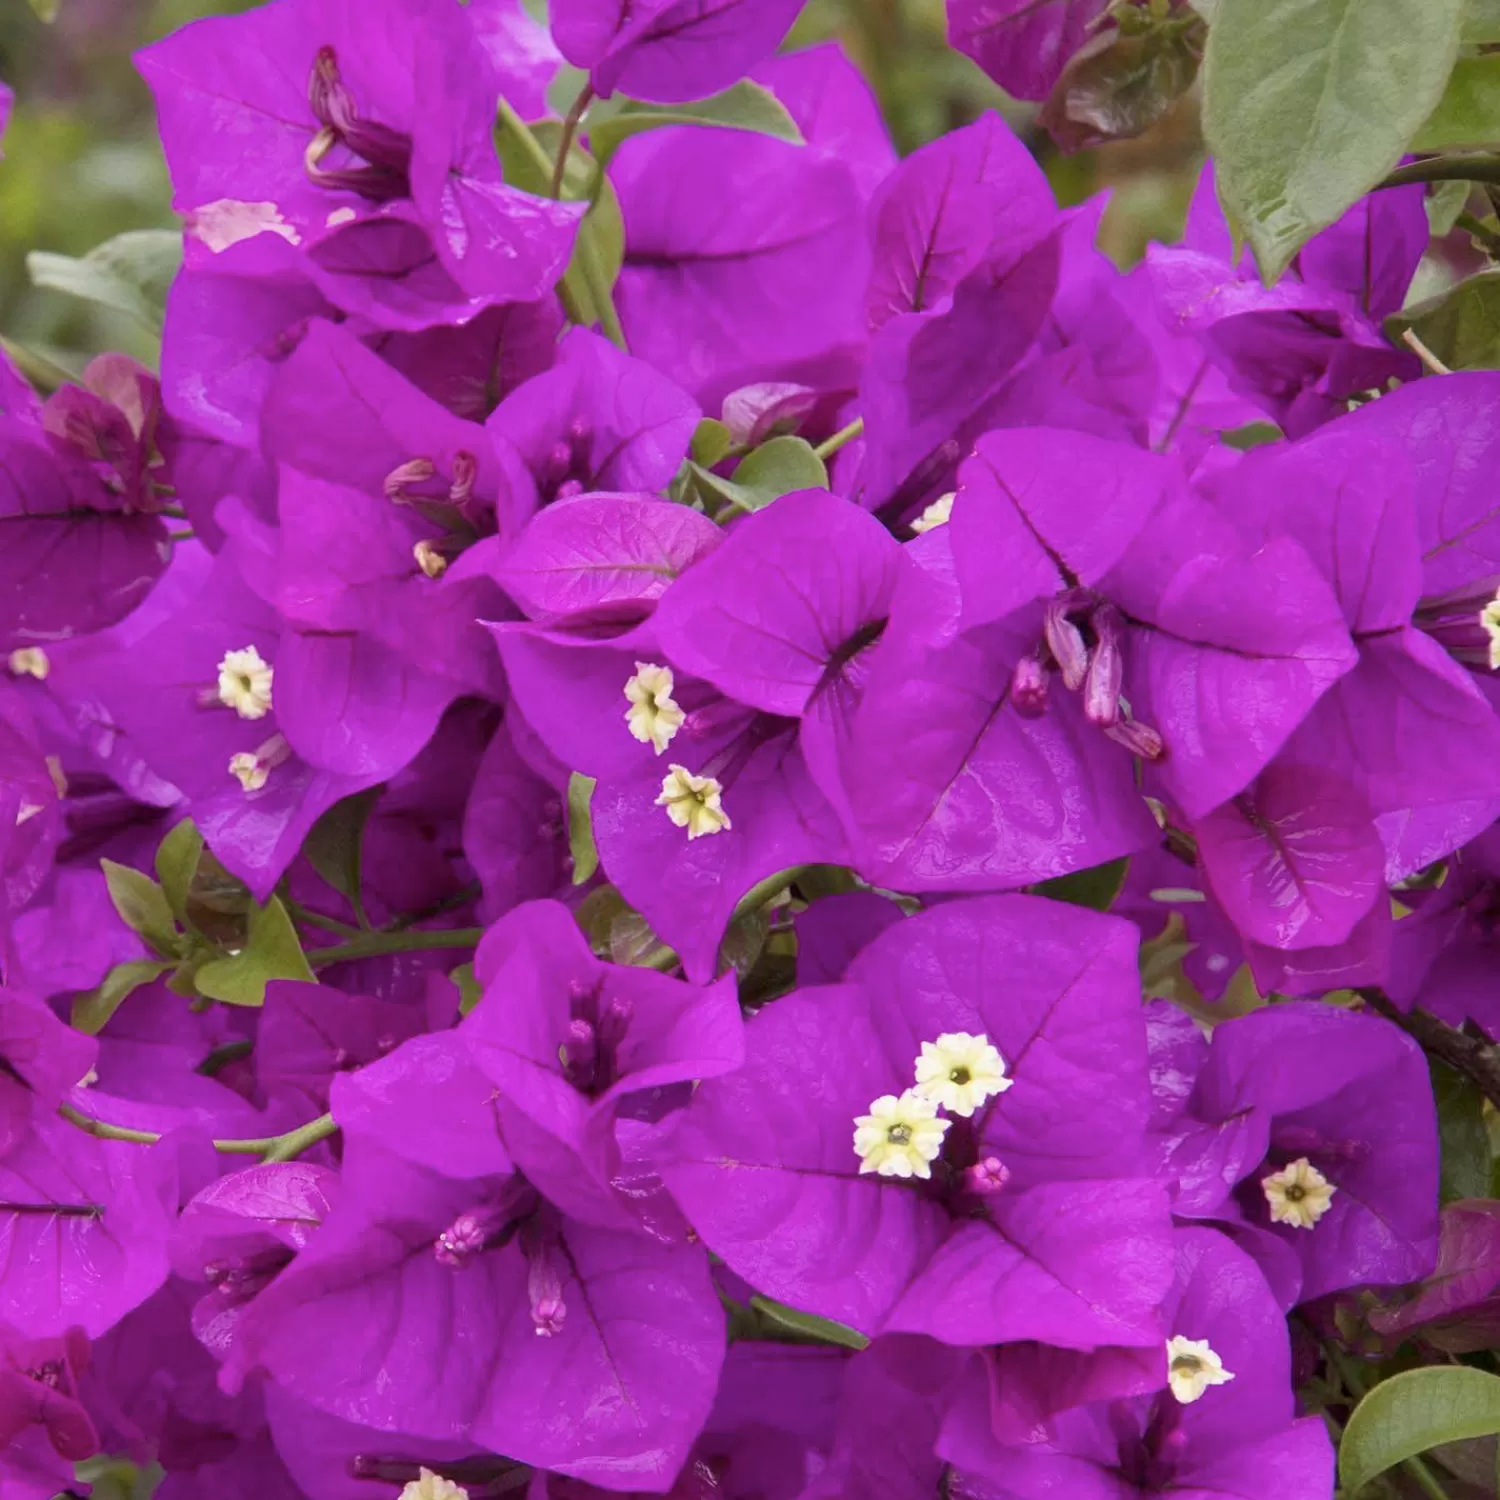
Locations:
(782, 1141)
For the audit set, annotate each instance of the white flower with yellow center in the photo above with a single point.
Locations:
(654, 715)
(30, 661)
(430, 1486)
(959, 1072)
(252, 769)
(899, 1137)
(1489, 618)
(939, 513)
(693, 802)
(1299, 1194)
(245, 683)
(1192, 1367)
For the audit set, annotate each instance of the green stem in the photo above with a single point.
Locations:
(376, 944)
(305, 918)
(1445, 169)
(272, 1147)
(569, 131)
(844, 436)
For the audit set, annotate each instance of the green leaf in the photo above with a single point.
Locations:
(1415, 1411)
(177, 859)
(1251, 435)
(807, 1327)
(527, 154)
(143, 906)
(39, 369)
(1095, 889)
(1468, 114)
(469, 992)
(1461, 327)
(1481, 22)
(130, 273)
(1307, 104)
(1462, 1133)
(92, 1011)
(1445, 202)
(581, 828)
(746, 106)
(774, 469)
(335, 843)
(271, 951)
(46, 9)
(711, 442)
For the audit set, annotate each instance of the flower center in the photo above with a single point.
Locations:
(654, 715)
(1298, 1195)
(245, 681)
(1465, 623)
(693, 802)
(960, 1071)
(1192, 1366)
(29, 661)
(430, 1486)
(900, 1137)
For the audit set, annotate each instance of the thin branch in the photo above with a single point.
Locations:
(1445, 169)
(1428, 358)
(1477, 1060)
(569, 131)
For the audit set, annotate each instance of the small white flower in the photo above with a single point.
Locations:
(1299, 1194)
(1489, 618)
(959, 1072)
(30, 661)
(693, 802)
(899, 1137)
(252, 769)
(1192, 1367)
(245, 683)
(430, 1486)
(654, 716)
(939, 513)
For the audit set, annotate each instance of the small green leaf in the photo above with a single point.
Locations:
(808, 1328)
(1445, 202)
(581, 828)
(711, 442)
(1461, 327)
(335, 843)
(1307, 104)
(1096, 889)
(777, 468)
(271, 951)
(469, 992)
(747, 106)
(130, 273)
(1251, 435)
(91, 1011)
(40, 370)
(1468, 114)
(1415, 1411)
(1462, 1133)
(177, 859)
(46, 9)
(143, 906)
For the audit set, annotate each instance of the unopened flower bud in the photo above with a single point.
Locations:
(1065, 641)
(1106, 670)
(1028, 688)
(986, 1177)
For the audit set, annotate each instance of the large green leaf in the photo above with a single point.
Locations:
(1412, 1412)
(746, 106)
(271, 951)
(776, 468)
(1464, 1137)
(177, 859)
(130, 273)
(1309, 103)
(1481, 22)
(1461, 327)
(142, 905)
(1468, 114)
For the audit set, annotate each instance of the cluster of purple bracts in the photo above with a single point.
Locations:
(901, 1188)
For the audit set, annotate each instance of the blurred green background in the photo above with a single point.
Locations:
(82, 163)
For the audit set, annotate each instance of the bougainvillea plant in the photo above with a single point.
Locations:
(688, 810)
